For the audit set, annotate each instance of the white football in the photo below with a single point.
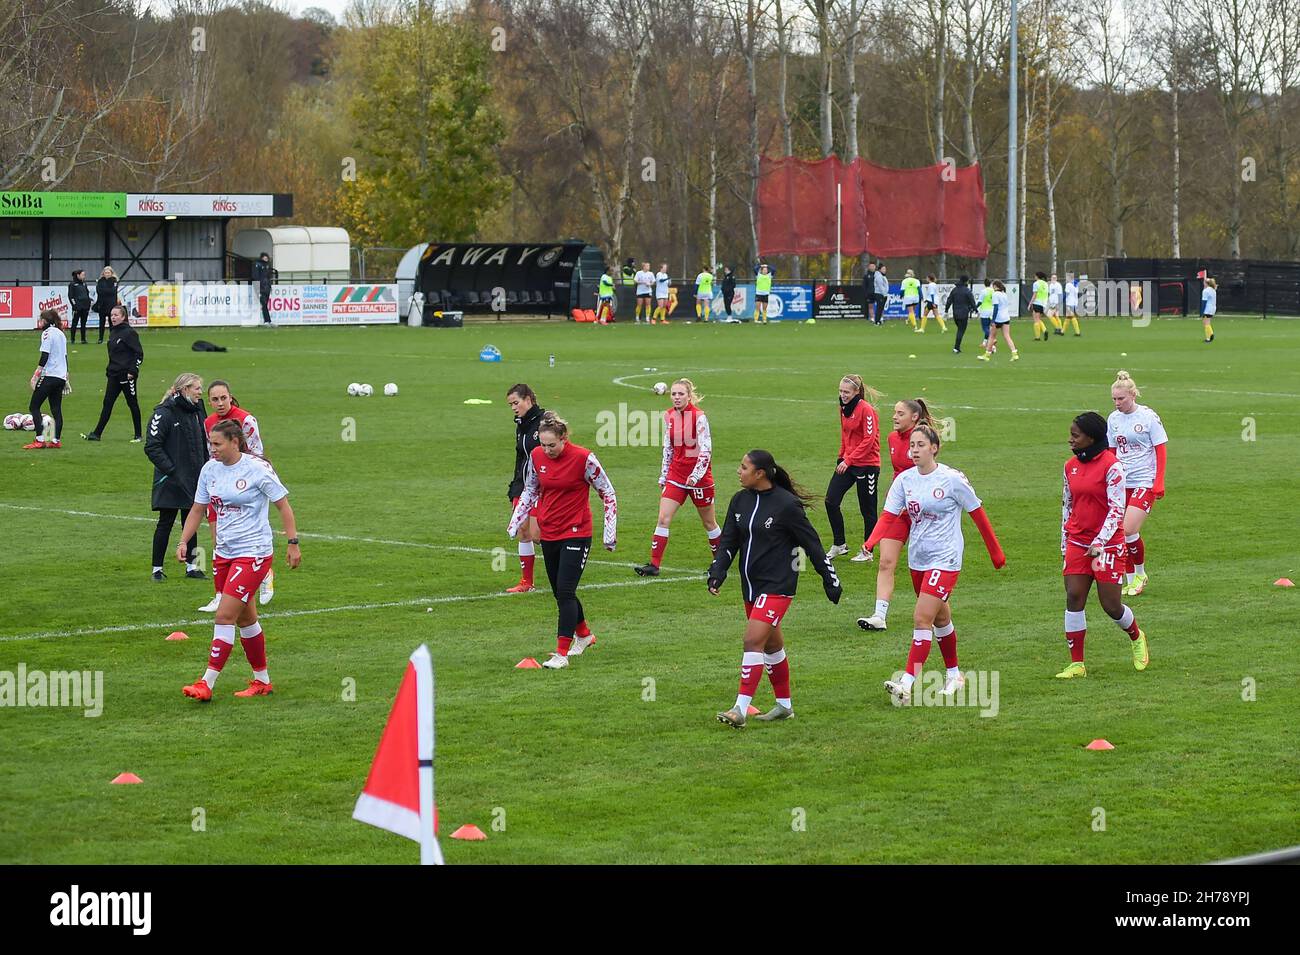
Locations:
(390, 389)
(28, 424)
(47, 424)
(13, 422)
(661, 388)
(367, 391)
(354, 389)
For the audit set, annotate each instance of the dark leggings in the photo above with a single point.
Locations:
(564, 561)
(111, 391)
(51, 390)
(103, 324)
(986, 323)
(866, 478)
(961, 330)
(163, 532)
(79, 316)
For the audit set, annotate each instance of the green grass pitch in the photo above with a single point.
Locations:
(619, 758)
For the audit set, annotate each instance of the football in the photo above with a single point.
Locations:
(28, 423)
(367, 391)
(661, 388)
(390, 389)
(354, 389)
(47, 425)
(13, 422)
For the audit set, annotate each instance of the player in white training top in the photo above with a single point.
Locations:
(1138, 438)
(241, 486)
(933, 496)
(645, 284)
(663, 307)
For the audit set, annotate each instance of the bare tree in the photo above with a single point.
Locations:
(1277, 65)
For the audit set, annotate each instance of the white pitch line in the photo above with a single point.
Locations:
(345, 608)
(328, 537)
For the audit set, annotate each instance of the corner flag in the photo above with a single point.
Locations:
(398, 795)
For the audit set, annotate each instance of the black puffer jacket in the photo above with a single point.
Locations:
(105, 297)
(125, 353)
(79, 295)
(178, 449)
(525, 440)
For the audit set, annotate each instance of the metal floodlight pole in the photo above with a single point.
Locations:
(839, 235)
(1012, 149)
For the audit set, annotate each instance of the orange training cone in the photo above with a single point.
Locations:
(123, 778)
(178, 635)
(528, 663)
(1284, 582)
(1099, 744)
(470, 832)
(752, 710)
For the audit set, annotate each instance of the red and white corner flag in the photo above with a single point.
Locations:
(398, 795)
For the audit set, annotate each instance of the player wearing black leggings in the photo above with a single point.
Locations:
(178, 449)
(125, 356)
(558, 486)
(49, 380)
(856, 465)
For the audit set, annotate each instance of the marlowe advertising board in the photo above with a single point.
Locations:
(201, 304)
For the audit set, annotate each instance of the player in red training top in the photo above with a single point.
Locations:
(857, 464)
(686, 471)
(1137, 436)
(893, 534)
(933, 496)
(241, 486)
(1092, 540)
(766, 523)
(557, 485)
(226, 408)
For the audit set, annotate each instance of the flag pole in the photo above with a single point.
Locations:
(430, 851)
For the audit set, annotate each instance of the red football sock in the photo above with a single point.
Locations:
(562, 645)
(526, 568)
(751, 672)
(714, 538)
(1128, 623)
(948, 645)
(658, 544)
(254, 646)
(778, 673)
(920, 650)
(1074, 640)
(220, 653)
(583, 630)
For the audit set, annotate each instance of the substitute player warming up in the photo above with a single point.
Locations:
(528, 416)
(766, 522)
(557, 485)
(933, 495)
(240, 485)
(1092, 540)
(1137, 436)
(686, 472)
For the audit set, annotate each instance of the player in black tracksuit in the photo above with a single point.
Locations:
(766, 524)
(125, 356)
(961, 302)
(528, 415)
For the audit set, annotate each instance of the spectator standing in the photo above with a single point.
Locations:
(105, 298)
(79, 302)
(263, 276)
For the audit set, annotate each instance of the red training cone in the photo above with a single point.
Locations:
(528, 663)
(470, 832)
(752, 710)
(1284, 582)
(1099, 744)
(178, 635)
(123, 778)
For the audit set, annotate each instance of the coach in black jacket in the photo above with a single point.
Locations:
(178, 449)
(961, 302)
(105, 298)
(79, 302)
(125, 356)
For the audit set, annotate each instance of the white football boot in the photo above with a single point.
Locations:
(953, 684)
(266, 590)
(874, 622)
(901, 693)
(212, 605)
(837, 550)
(580, 644)
(556, 662)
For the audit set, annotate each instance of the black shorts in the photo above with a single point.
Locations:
(1037, 308)
(646, 297)
(760, 299)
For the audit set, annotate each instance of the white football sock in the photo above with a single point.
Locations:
(882, 608)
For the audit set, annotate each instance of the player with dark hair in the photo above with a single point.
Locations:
(891, 530)
(225, 407)
(240, 485)
(766, 525)
(557, 485)
(528, 416)
(48, 380)
(686, 472)
(1137, 436)
(856, 465)
(125, 356)
(933, 496)
(1092, 540)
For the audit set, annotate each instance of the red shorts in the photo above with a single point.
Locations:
(769, 608)
(899, 529)
(1109, 568)
(1143, 497)
(936, 583)
(514, 502)
(702, 495)
(240, 576)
